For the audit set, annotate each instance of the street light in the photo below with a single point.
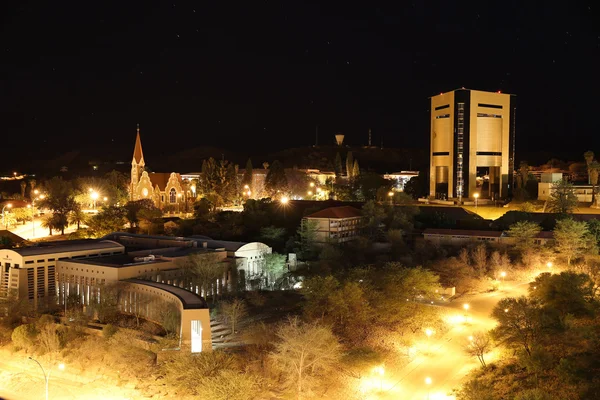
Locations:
(428, 332)
(428, 383)
(9, 205)
(380, 371)
(503, 275)
(47, 376)
(466, 306)
(476, 196)
(284, 202)
(312, 184)
(549, 264)
(93, 196)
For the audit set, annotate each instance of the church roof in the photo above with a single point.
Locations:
(161, 179)
(138, 155)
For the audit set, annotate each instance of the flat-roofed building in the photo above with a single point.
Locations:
(30, 272)
(336, 224)
(472, 134)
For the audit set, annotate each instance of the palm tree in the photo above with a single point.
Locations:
(589, 158)
(77, 217)
(593, 171)
(47, 222)
(23, 186)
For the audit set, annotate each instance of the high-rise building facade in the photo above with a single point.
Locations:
(472, 144)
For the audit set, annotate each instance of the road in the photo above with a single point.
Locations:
(444, 360)
(22, 379)
(27, 231)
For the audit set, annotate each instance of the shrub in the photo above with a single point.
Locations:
(108, 331)
(24, 336)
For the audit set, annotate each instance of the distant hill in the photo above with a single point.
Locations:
(373, 158)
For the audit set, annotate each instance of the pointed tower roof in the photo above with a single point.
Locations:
(138, 155)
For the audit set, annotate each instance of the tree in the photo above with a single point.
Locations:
(349, 165)
(274, 266)
(355, 169)
(49, 222)
(374, 215)
(24, 336)
(272, 235)
(23, 187)
(32, 183)
(77, 216)
(589, 158)
(203, 270)
(524, 233)
(247, 178)
(60, 199)
(572, 238)
(21, 214)
(562, 198)
(303, 351)
(568, 292)
(276, 181)
(479, 257)
(110, 219)
(307, 234)
(479, 344)
(116, 187)
(232, 312)
(337, 165)
(518, 322)
(135, 210)
(594, 170)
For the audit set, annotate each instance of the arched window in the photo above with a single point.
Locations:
(172, 196)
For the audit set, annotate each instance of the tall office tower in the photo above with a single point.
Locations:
(472, 145)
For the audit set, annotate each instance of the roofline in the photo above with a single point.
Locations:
(471, 90)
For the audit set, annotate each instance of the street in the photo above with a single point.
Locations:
(444, 361)
(27, 231)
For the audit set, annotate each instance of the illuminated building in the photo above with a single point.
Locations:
(472, 134)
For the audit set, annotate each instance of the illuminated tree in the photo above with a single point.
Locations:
(572, 238)
(568, 292)
(349, 165)
(479, 344)
(594, 170)
(232, 311)
(21, 214)
(274, 267)
(203, 270)
(518, 322)
(562, 198)
(304, 351)
(23, 187)
(77, 216)
(524, 233)
(60, 200)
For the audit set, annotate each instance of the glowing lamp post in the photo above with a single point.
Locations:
(391, 196)
(549, 264)
(503, 275)
(380, 371)
(466, 307)
(428, 382)
(9, 205)
(94, 197)
(47, 376)
(428, 333)
(284, 202)
(476, 196)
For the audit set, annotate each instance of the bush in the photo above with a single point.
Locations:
(108, 331)
(24, 336)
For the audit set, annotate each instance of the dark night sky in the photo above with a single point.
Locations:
(263, 73)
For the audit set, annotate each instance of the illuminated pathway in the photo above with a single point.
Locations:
(446, 363)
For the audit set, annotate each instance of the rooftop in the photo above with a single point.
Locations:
(68, 246)
(189, 300)
(116, 261)
(337, 212)
(462, 232)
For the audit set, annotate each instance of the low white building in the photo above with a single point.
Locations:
(547, 180)
(401, 178)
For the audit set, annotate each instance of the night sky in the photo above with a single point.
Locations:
(257, 75)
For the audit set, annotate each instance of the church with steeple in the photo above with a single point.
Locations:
(167, 190)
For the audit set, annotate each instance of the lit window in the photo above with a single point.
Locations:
(172, 196)
(145, 192)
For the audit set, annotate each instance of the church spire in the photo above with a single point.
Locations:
(138, 155)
